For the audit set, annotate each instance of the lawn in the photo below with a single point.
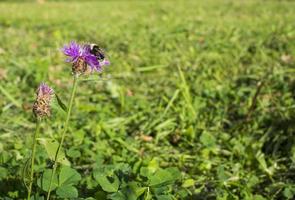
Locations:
(198, 102)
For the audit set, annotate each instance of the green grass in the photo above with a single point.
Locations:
(184, 95)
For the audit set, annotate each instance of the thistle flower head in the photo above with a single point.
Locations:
(41, 107)
(81, 57)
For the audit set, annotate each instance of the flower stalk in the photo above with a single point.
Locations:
(74, 88)
(33, 157)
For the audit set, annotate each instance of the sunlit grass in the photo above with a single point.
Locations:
(178, 93)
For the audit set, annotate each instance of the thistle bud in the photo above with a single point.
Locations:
(41, 107)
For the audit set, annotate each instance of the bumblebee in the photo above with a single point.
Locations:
(97, 52)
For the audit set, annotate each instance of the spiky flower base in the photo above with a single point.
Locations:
(41, 107)
(79, 67)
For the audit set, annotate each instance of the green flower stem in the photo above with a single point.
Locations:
(75, 83)
(33, 157)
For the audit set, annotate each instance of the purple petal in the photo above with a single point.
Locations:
(44, 89)
(73, 50)
(91, 60)
(105, 63)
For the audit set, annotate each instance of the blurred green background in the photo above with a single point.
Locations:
(198, 102)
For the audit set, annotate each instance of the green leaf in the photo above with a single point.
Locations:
(252, 181)
(258, 197)
(222, 176)
(68, 176)
(207, 139)
(126, 145)
(152, 167)
(188, 183)
(67, 191)
(164, 197)
(3, 173)
(164, 176)
(144, 171)
(175, 173)
(60, 103)
(73, 153)
(134, 191)
(262, 163)
(117, 196)
(108, 183)
(44, 181)
(159, 177)
(51, 146)
(289, 192)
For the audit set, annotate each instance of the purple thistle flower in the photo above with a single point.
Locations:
(41, 105)
(81, 57)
